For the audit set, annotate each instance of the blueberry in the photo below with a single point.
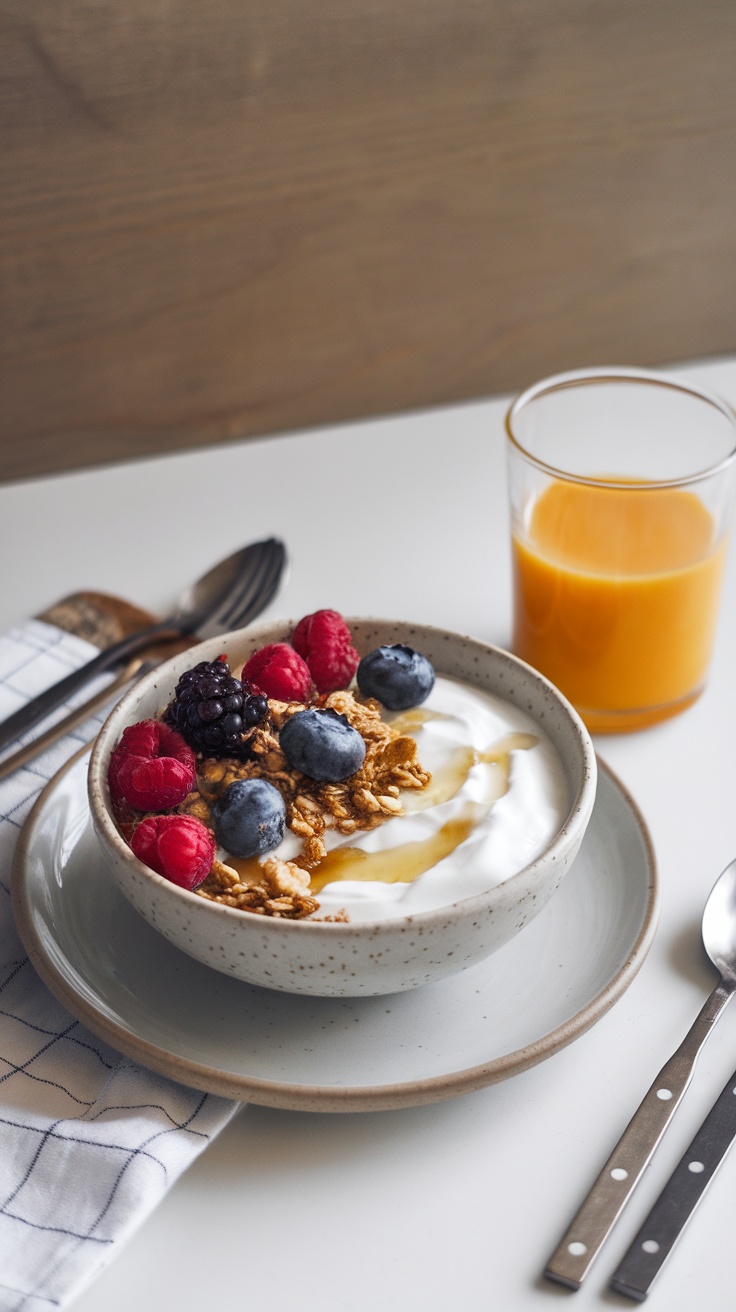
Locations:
(398, 677)
(322, 745)
(249, 817)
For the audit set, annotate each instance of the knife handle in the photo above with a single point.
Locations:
(591, 1226)
(46, 702)
(679, 1198)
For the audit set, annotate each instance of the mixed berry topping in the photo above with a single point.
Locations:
(249, 818)
(213, 710)
(222, 726)
(179, 847)
(326, 643)
(398, 677)
(322, 745)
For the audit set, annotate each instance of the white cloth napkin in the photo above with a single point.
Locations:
(89, 1141)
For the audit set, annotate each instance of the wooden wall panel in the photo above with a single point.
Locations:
(243, 216)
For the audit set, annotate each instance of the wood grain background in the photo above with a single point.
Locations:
(245, 216)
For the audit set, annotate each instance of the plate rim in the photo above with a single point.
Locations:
(317, 1098)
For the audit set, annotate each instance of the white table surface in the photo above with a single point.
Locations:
(456, 1205)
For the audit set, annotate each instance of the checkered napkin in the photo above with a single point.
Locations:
(89, 1141)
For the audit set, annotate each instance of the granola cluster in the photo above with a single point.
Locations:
(361, 802)
(281, 890)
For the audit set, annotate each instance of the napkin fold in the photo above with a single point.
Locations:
(89, 1140)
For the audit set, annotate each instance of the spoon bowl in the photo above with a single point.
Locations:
(719, 925)
(230, 594)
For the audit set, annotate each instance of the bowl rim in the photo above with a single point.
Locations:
(579, 810)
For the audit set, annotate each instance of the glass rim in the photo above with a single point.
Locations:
(617, 374)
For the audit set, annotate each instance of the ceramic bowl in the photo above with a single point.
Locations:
(366, 958)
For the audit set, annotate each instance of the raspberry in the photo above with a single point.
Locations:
(280, 672)
(137, 740)
(326, 643)
(152, 768)
(179, 847)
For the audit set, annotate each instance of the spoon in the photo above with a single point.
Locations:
(585, 1236)
(227, 597)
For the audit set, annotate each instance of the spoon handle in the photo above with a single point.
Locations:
(46, 702)
(679, 1198)
(585, 1236)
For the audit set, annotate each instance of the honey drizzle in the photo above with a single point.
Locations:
(248, 867)
(405, 862)
(449, 779)
(395, 865)
(407, 722)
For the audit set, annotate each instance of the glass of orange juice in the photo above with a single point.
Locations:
(621, 484)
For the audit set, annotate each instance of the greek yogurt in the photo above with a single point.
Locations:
(497, 797)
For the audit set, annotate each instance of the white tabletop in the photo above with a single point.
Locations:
(455, 1205)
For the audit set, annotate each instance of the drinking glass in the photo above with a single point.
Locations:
(621, 486)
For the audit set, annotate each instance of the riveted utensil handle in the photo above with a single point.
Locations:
(679, 1198)
(585, 1236)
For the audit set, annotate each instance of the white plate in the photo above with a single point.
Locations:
(150, 1001)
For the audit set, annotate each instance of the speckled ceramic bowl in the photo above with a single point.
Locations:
(350, 960)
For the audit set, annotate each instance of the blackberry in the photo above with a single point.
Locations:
(212, 710)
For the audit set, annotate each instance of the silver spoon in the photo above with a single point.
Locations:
(585, 1236)
(227, 597)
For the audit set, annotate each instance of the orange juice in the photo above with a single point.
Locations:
(616, 596)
